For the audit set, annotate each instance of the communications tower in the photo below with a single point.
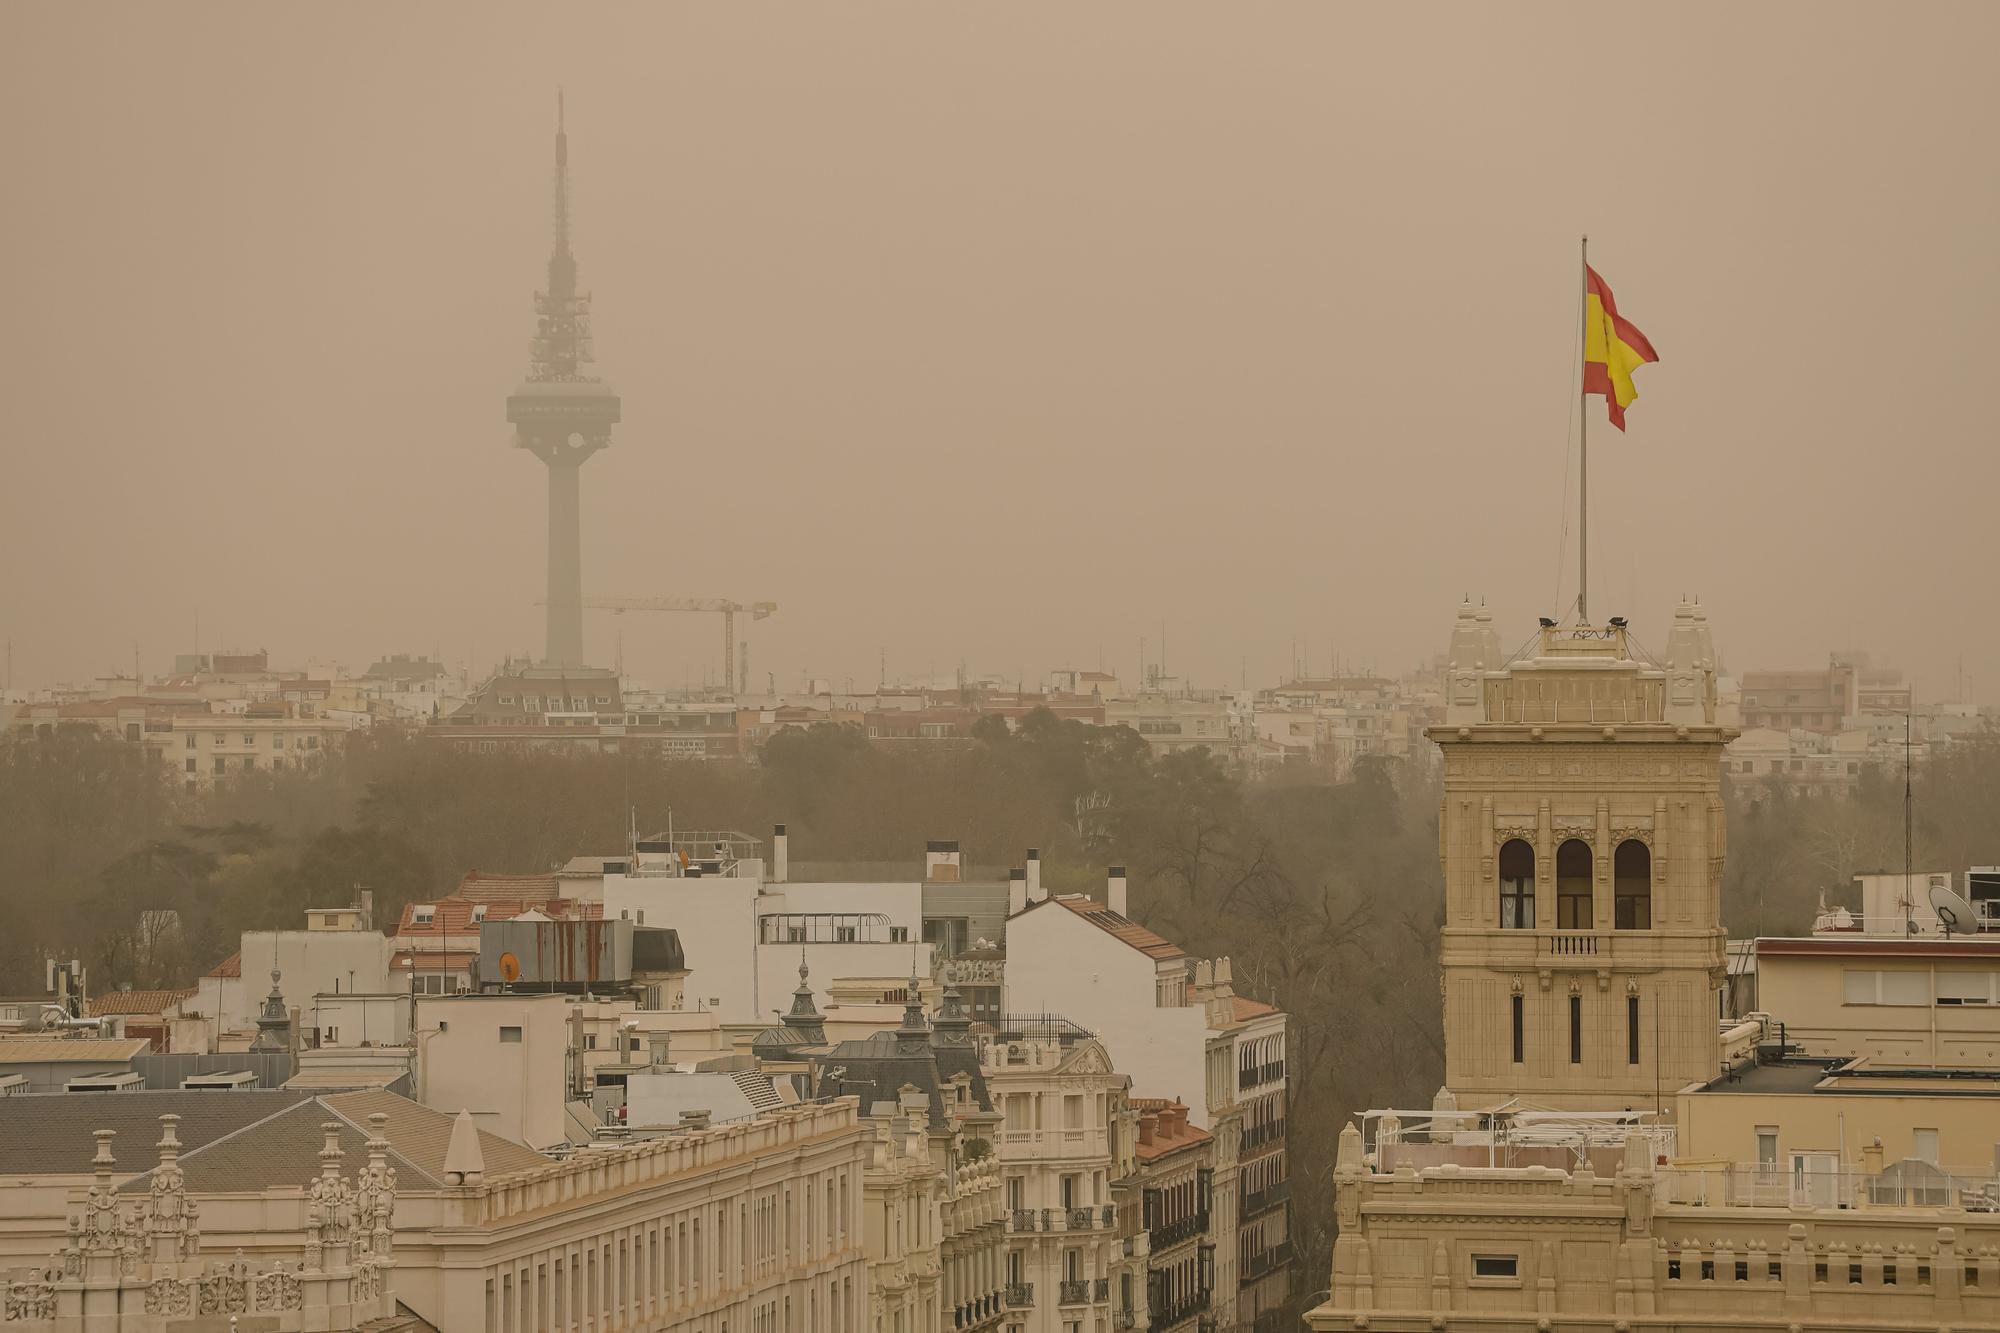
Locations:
(562, 416)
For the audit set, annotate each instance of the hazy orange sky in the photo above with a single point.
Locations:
(1001, 333)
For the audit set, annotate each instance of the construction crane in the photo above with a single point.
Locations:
(757, 610)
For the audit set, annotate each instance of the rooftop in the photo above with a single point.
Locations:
(136, 1001)
(1119, 927)
(65, 1050)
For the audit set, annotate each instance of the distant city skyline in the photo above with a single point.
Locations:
(964, 344)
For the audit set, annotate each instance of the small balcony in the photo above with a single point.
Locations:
(1073, 1293)
(1167, 1315)
(1264, 1200)
(1024, 1219)
(1256, 1076)
(1178, 1232)
(1018, 1296)
(1265, 1262)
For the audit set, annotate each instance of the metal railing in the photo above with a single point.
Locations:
(1023, 1219)
(1167, 1314)
(1906, 1184)
(1075, 1292)
(1266, 1261)
(1018, 1295)
(1258, 1075)
(1257, 1201)
(1257, 1135)
(1182, 1229)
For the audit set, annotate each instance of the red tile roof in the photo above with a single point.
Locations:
(231, 966)
(1118, 927)
(453, 915)
(136, 1001)
(1183, 1134)
(1249, 1008)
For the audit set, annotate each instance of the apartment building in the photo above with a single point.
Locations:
(1175, 1024)
(1064, 1140)
(1176, 1171)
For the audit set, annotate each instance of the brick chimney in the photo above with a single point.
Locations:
(1148, 1125)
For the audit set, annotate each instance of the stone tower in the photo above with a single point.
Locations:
(1582, 842)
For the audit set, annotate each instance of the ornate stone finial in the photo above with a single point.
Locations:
(168, 1216)
(375, 1193)
(102, 1163)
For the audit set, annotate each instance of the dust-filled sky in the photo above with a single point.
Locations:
(1007, 334)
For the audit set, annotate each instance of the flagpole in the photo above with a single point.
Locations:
(1583, 450)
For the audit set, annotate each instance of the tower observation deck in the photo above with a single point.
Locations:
(562, 416)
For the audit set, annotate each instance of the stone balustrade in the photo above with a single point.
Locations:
(603, 1172)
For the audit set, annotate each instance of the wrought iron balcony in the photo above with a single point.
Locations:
(1023, 1219)
(1263, 1200)
(1165, 1316)
(1265, 1262)
(1174, 1233)
(1073, 1293)
(1018, 1295)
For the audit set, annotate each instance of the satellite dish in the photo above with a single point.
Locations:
(1954, 913)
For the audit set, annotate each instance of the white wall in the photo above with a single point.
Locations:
(717, 922)
(1059, 963)
(778, 970)
(513, 1089)
(729, 971)
(359, 1020)
(312, 962)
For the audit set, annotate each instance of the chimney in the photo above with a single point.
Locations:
(942, 863)
(367, 909)
(781, 854)
(1114, 890)
(1035, 893)
(1148, 1124)
(1017, 891)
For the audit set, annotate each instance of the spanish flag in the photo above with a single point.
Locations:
(1612, 349)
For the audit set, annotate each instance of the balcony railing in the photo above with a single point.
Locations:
(1259, 1135)
(1258, 1201)
(1174, 1233)
(1100, 1289)
(1073, 1293)
(1258, 1075)
(1574, 944)
(1089, 1218)
(1018, 1295)
(1266, 1261)
(1167, 1314)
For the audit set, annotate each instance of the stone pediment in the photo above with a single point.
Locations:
(1087, 1058)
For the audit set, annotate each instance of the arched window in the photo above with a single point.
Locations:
(1632, 882)
(1517, 886)
(1573, 910)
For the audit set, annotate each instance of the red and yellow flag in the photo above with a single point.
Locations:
(1612, 349)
